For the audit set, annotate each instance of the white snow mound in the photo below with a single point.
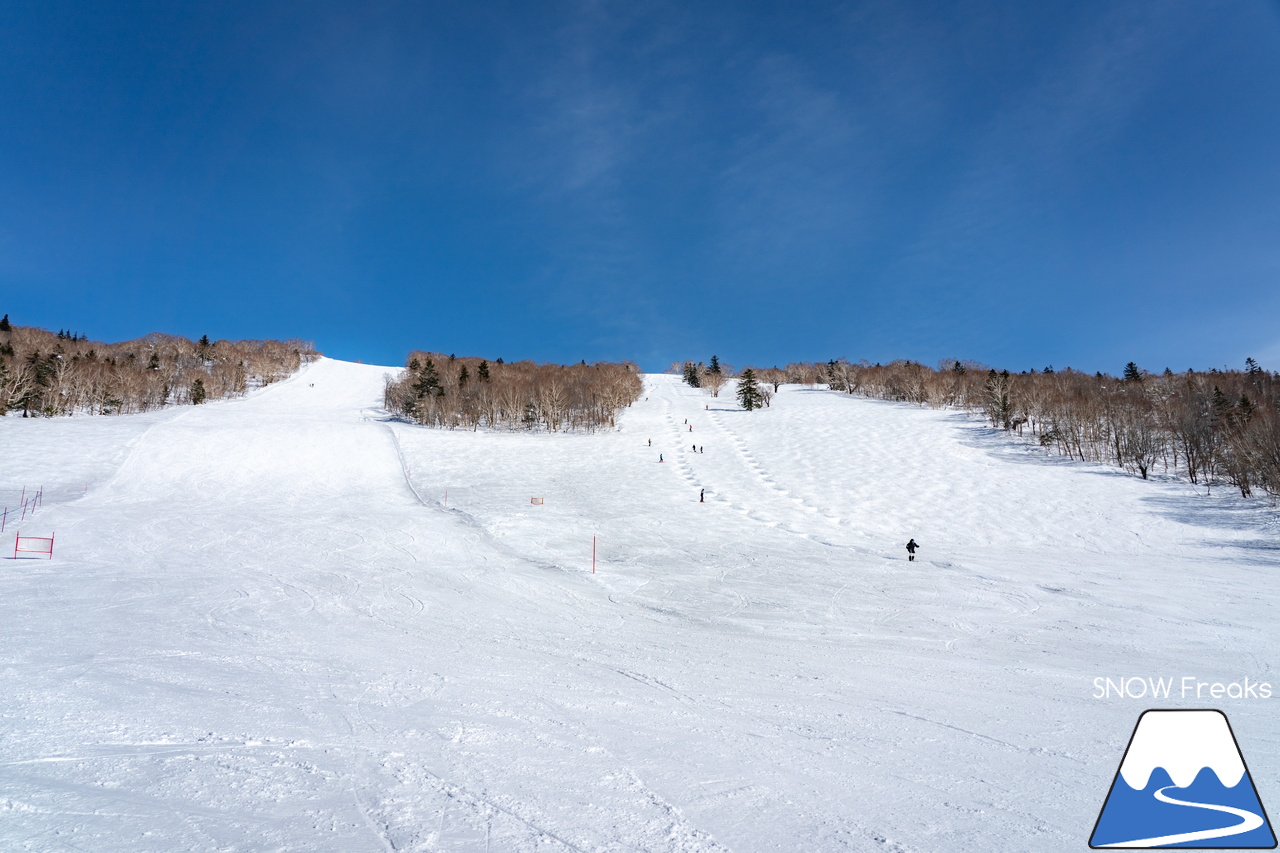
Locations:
(1183, 743)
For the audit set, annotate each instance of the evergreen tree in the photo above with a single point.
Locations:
(198, 395)
(4, 324)
(428, 381)
(483, 371)
(154, 363)
(715, 365)
(691, 375)
(835, 381)
(1132, 373)
(204, 342)
(1251, 367)
(1245, 407)
(463, 377)
(749, 391)
(1221, 406)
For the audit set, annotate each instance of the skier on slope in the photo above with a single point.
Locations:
(702, 496)
(911, 550)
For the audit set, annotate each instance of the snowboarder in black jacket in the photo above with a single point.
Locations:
(911, 550)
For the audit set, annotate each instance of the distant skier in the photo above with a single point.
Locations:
(651, 442)
(702, 496)
(695, 448)
(660, 459)
(690, 427)
(911, 550)
(700, 448)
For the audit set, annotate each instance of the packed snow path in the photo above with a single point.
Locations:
(266, 627)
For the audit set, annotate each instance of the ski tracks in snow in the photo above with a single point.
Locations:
(387, 673)
(722, 490)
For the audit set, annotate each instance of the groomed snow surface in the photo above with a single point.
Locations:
(265, 627)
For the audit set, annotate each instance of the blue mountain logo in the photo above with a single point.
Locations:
(1183, 783)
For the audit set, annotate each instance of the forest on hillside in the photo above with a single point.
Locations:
(47, 374)
(1212, 427)
(451, 392)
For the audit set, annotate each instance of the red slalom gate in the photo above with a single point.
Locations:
(27, 505)
(19, 539)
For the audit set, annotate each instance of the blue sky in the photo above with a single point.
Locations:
(1077, 184)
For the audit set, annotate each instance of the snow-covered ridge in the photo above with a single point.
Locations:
(1183, 743)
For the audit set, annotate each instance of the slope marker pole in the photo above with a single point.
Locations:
(593, 555)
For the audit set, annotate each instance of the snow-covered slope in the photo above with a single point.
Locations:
(285, 623)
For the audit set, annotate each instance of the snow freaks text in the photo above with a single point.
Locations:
(1184, 687)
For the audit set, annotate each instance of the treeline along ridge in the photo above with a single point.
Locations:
(451, 392)
(48, 374)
